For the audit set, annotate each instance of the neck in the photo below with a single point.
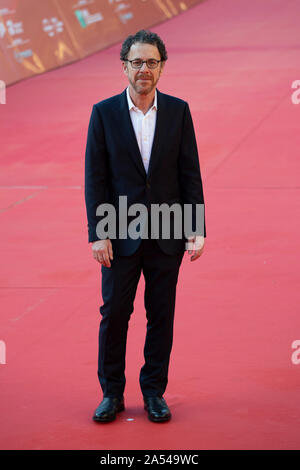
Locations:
(143, 102)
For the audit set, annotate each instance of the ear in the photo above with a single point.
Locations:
(125, 68)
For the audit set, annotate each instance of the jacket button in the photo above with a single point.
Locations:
(148, 185)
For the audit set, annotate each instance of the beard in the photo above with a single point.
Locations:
(146, 87)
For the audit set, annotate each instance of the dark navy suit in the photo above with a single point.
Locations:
(113, 168)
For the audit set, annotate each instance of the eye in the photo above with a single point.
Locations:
(136, 63)
(152, 62)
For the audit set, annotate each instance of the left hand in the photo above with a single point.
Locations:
(195, 245)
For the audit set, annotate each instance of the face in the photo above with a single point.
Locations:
(143, 80)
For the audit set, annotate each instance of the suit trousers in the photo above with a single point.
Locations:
(119, 285)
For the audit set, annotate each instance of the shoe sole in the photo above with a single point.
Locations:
(109, 420)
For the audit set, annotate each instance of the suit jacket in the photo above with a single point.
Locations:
(114, 165)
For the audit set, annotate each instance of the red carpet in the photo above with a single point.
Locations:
(232, 384)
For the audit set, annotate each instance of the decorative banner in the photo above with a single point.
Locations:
(36, 36)
(33, 38)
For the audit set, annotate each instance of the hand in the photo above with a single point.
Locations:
(103, 252)
(195, 244)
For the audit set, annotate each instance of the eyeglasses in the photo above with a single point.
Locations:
(138, 63)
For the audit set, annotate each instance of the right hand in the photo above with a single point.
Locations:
(103, 252)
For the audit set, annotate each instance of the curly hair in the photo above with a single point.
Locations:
(146, 37)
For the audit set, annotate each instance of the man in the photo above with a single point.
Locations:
(141, 144)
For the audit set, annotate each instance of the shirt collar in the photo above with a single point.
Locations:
(132, 106)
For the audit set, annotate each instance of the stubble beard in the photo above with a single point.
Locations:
(142, 90)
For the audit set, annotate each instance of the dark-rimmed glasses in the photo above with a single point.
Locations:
(138, 63)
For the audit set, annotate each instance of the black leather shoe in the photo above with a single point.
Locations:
(108, 408)
(157, 408)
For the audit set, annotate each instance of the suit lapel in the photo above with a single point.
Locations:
(128, 134)
(158, 140)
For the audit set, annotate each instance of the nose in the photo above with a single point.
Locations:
(144, 64)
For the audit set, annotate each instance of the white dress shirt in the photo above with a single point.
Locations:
(144, 127)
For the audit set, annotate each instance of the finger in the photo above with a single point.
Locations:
(110, 250)
(189, 245)
(106, 260)
(192, 249)
(97, 258)
(95, 252)
(197, 254)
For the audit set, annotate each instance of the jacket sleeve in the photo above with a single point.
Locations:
(189, 173)
(96, 171)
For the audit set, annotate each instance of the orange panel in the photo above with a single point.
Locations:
(36, 36)
(33, 37)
